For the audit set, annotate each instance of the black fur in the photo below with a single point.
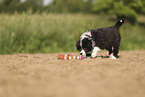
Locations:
(104, 38)
(86, 45)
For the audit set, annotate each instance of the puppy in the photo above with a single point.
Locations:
(96, 40)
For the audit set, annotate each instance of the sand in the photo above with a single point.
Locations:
(43, 75)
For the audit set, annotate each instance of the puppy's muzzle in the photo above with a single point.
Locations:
(82, 52)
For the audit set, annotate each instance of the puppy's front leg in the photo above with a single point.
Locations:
(94, 52)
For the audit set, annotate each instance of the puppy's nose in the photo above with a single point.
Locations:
(81, 53)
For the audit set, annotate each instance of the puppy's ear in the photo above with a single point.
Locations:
(85, 42)
(78, 45)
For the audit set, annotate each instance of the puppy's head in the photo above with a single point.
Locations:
(84, 46)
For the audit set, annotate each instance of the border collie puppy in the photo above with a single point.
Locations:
(96, 40)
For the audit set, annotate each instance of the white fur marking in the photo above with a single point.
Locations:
(112, 56)
(112, 48)
(83, 52)
(95, 50)
(86, 34)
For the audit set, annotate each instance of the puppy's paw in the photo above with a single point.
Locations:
(113, 57)
(93, 55)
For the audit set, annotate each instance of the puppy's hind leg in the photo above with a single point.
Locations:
(94, 52)
(115, 52)
(110, 50)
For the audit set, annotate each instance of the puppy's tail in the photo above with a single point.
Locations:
(119, 22)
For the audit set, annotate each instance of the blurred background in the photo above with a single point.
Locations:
(52, 26)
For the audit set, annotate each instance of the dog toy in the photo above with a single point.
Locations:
(68, 57)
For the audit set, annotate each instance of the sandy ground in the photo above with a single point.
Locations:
(43, 75)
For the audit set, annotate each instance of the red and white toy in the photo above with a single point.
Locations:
(68, 57)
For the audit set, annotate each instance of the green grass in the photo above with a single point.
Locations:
(52, 33)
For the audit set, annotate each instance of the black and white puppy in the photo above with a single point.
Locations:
(96, 40)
